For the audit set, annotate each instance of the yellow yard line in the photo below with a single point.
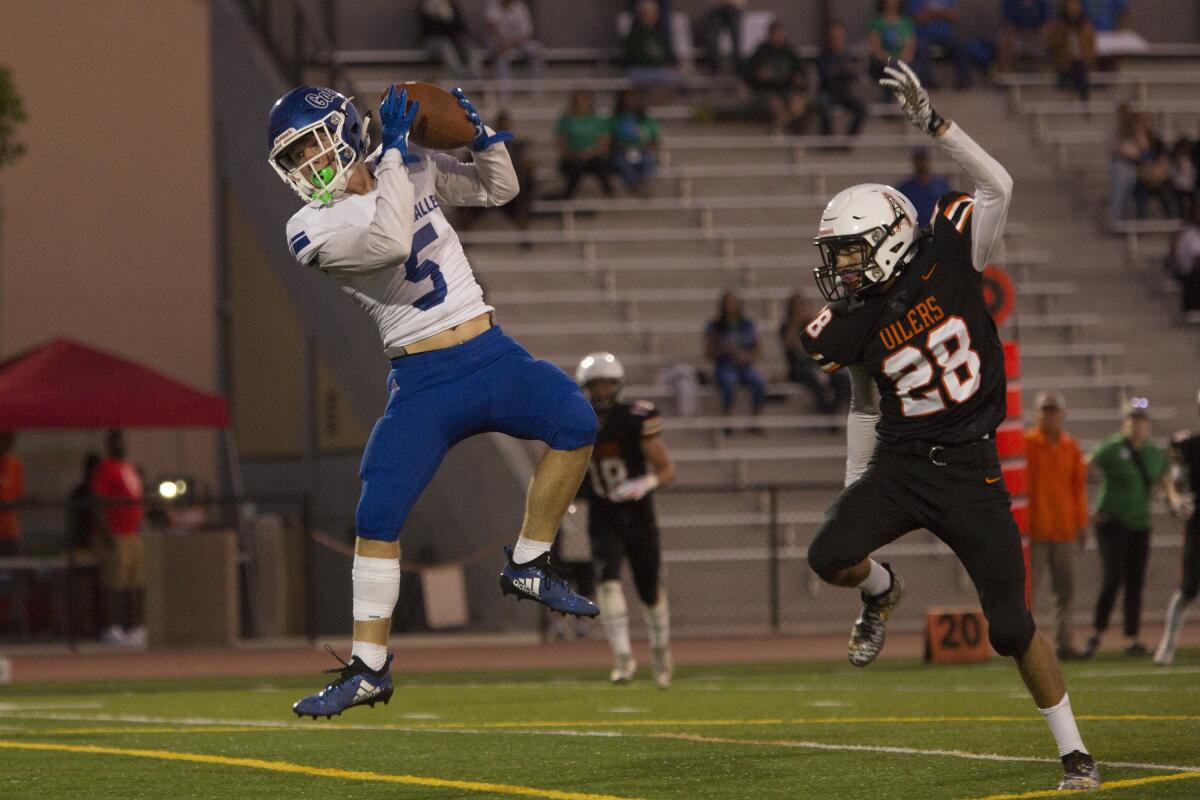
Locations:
(303, 769)
(1107, 786)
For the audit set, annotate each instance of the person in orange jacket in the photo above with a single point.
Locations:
(1058, 510)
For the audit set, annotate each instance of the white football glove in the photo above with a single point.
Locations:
(633, 489)
(911, 95)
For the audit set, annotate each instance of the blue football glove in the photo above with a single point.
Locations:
(481, 141)
(397, 115)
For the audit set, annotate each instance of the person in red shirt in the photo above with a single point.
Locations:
(12, 488)
(1058, 512)
(117, 484)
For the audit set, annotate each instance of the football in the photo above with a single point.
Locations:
(441, 123)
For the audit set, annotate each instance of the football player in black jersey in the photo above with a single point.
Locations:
(906, 315)
(628, 462)
(1185, 453)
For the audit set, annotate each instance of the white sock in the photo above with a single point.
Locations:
(376, 584)
(1176, 612)
(1062, 724)
(529, 549)
(658, 622)
(373, 655)
(878, 580)
(614, 616)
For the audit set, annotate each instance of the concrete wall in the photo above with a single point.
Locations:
(108, 219)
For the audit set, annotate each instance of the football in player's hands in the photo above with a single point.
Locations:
(440, 122)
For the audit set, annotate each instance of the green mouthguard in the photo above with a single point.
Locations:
(321, 179)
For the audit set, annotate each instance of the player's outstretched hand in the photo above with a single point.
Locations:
(482, 140)
(634, 488)
(911, 95)
(396, 115)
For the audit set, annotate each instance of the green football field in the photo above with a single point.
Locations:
(897, 730)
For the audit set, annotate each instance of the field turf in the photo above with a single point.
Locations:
(897, 730)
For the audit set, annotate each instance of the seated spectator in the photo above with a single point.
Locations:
(445, 35)
(1072, 44)
(1024, 35)
(1153, 171)
(725, 15)
(936, 36)
(510, 28)
(923, 188)
(776, 75)
(838, 73)
(646, 53)
(830, 392)
(731, 344)
(1185, 261)
(1109, 15)
(584, 141)
(1183, 176)
(634, 142)
(520, 208)
(662, 24)
(1122, 165)
(890, 34)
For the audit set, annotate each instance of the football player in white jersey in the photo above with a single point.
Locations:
(374, 223)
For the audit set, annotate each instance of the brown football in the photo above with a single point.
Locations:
(441, 123)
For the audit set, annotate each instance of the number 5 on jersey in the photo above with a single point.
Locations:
(416, 270)
(910, 370)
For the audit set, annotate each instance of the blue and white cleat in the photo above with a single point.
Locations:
(357, 685)
(536, 580)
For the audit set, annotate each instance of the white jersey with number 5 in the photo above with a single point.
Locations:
(435, 288)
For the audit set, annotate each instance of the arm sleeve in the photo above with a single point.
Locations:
(358, 250)
(489, 180)
(860, 425)
(993, 191)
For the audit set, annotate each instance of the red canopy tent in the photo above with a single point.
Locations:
(64, 384)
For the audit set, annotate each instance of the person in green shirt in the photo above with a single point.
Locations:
(775, 74)
(635, 141)
(1131, 466)
(890, 34)
(584, 142)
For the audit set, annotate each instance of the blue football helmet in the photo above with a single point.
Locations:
(309, 115)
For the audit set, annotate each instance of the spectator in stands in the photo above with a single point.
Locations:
(838, 74)
(731, 343)
(830, 393)
(118, 481)
(584, 144)
(510, 28)
(1153, 170)
(1185, 261)
(890, 34)
(1183, 176)
(634, 142)
(923, 188)
(725, 15)
(1058, 510)
(662, 22)
(445, 36)
(1024, 35)
(1072, 42)
(1122, 171)
(82, 511)
(1109, 15)
(775, 74)
(935, 21)
(520, 208)
(12, 489)
(646, 53)
(1131, 466)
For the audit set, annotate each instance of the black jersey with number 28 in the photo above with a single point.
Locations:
(617, 455)
(928, 341)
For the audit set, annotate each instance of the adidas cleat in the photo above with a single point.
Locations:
(356, 685)
(866, 639)
(663, 667)
(623, 670)
(536, 580)
(1081, 772)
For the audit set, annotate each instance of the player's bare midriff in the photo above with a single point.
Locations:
(462, 332)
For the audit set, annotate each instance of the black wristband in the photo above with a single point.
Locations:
(935, 121)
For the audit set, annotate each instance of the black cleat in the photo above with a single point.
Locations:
(866, 639)
(1081, 772)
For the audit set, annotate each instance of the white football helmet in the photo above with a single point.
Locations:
(871, 223)
(598, 366)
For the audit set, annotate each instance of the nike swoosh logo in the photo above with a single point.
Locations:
(990, 481)
(925, 277)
